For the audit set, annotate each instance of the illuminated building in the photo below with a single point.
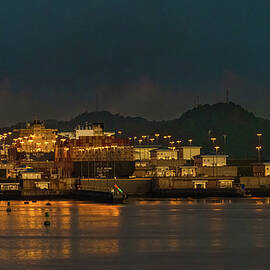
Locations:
(167, 154)
(87, 131)
(261, 169)
(189, 151)
(210, 160)
(34, 146)
(35, 138)
(34, 143)
(143, 152)
(93, 153)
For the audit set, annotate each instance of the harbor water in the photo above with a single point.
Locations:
(209, 233)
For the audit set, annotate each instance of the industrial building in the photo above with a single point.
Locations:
(94, 153)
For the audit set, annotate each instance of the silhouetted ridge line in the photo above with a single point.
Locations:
(220, 120)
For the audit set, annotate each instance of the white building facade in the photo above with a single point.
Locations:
(210, 160)
(165, 154)
(143, 153)
(188, 152)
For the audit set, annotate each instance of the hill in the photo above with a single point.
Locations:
(234, 127)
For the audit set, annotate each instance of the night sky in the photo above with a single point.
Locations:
(150, 58)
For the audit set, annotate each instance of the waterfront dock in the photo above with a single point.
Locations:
(112, 190)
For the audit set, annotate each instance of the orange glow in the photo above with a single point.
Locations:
(175, 202)
(148, 202)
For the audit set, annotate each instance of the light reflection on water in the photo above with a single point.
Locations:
(214, 233)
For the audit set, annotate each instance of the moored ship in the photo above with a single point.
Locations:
(89, 152)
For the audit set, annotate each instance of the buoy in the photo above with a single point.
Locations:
(8, 208)
(47, 223)
(47, 214)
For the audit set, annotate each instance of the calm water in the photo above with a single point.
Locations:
(173, 234)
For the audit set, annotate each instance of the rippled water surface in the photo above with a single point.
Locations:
(167, 234)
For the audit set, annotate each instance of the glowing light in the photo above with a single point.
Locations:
(118, 188)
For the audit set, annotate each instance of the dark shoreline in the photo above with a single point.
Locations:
(105, 197)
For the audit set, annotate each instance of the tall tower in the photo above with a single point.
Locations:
(97, 107)
(227, 95)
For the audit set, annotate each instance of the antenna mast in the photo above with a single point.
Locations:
(97, 109)
(227, 95)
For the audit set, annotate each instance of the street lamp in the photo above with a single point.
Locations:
(224, 142)
(215, 163)
(259, 148)
(213, 139)
(164, 140)
(157, 135)
(144, 139)
(259, 135)
(190, 142)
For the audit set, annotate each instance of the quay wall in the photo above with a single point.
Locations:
(162, 183)
(255, 182)
(172, 183)
(54, 184)
(218, 171)
(137, 186)
(140, 186)
(44, 193)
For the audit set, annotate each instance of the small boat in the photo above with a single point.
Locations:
(26, 202)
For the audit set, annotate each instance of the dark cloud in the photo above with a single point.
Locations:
(140, 56)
